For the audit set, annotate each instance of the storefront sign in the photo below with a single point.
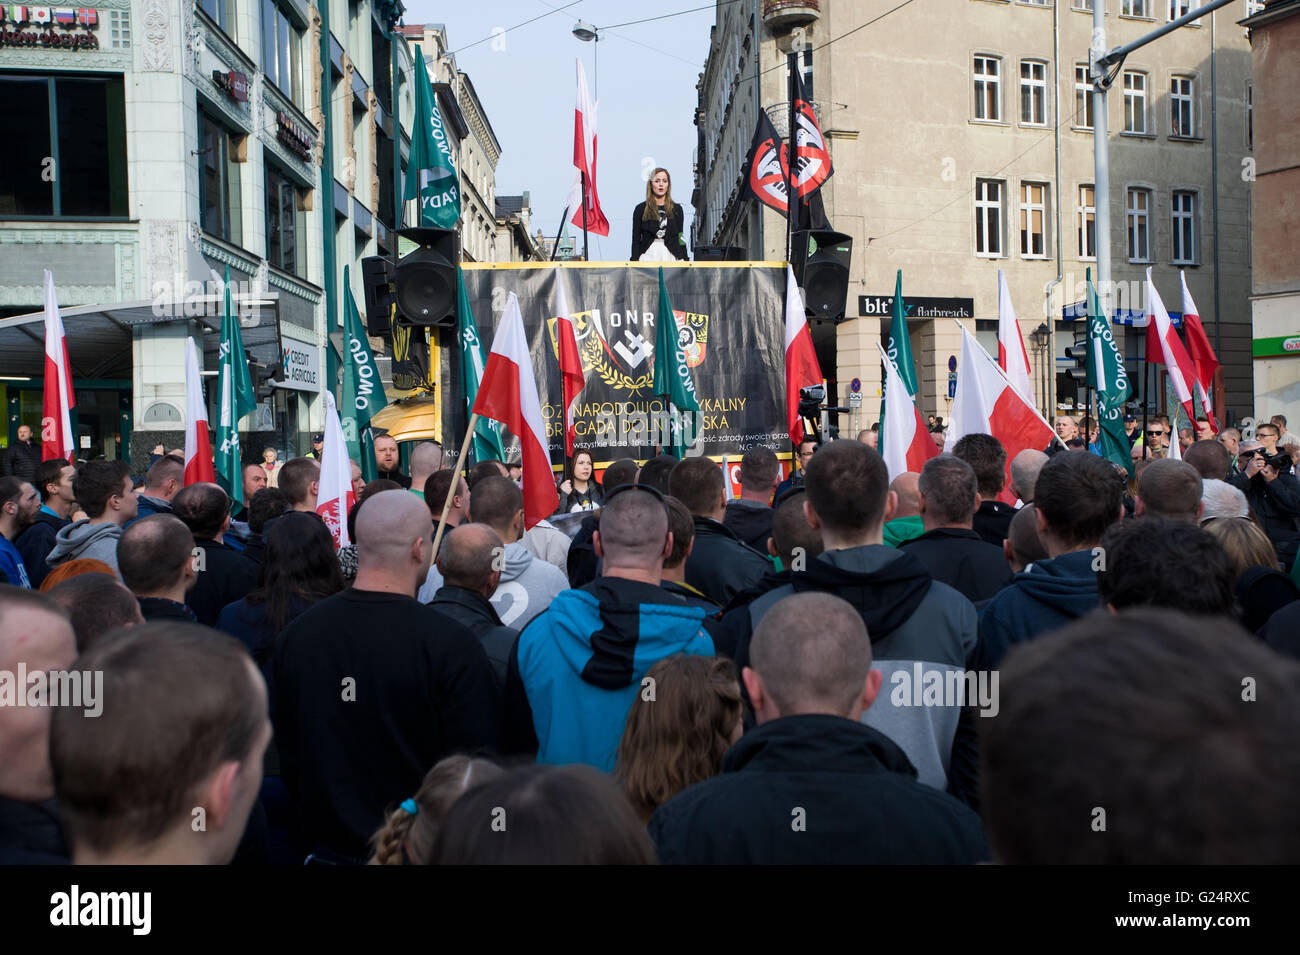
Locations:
(883, 305)
(233, 83)
(1281, 346)
(301, 367)
(23, 25)
(294, 134)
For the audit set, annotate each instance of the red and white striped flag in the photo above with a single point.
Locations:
(198, 445)
(335, 493)
(801, 366)
(566, 347)
(57, 439)
(584, 161)
(908, 445)
(508, 394)
(1012, 357)
(986, 403)
(1178, 364)
(1202, 355)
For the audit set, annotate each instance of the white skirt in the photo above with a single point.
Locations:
(658, 252)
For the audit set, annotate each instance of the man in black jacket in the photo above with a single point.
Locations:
(794, 790)
(23, 457)
(1274, 493)
(582, 563)
(720, 565)
(749, 516)
(156, 560)
(224, 574)
(949, 549)
(54, 484)
(988, 459)
(470, 559)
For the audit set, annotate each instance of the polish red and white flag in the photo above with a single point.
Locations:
(508, 393)
(1178, 364)
(584, 161)
(987, 403)
(1012, 357)
(907, 442)
(566, 348)
(57, 439)
(801, 367)
(198, 444)
(335, 493)
(1198, 346)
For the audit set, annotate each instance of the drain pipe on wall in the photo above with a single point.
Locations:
(1050, 358)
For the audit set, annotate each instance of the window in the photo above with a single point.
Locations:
(1033, 92)
(988, 94)
(222, 13)
(70, 159)
(1082, 99)
(1135, 102)
(219, 196)
(1033, 220)
(1183, 213)
(119, 29)
(1179, 8)
(1181, 118)
(1250, 116)
(988, 218)
(285, 223)
(281, 48)
(1083, 5)
(1139, 225)
(1087, 223)
(1136, 8)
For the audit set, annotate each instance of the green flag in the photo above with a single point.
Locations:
(237, 399)
(671, 376)
(363, 392)
(1109, 380)
(431, 175)
(487, 433)
(899, 350)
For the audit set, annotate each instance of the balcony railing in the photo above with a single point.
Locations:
(783, 14)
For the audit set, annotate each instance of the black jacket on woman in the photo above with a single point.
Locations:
(643, 232)
(590, 499)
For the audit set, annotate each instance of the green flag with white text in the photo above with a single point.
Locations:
(363, 392)
(672, 376)
(487, 433)
(899, 350)
(431, 176)
(1109, 380)
(236, 399)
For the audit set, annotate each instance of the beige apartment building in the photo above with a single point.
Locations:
(961, 136)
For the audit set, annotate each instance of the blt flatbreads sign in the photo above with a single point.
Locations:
(61, 28)
(301, 367)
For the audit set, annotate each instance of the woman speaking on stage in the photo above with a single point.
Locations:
(658, 224)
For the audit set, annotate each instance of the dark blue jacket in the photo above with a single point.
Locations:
(35, 544)
(249, 624)
(1046, 597)
(816, 790)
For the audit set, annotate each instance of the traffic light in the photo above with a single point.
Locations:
(262, 376)
(1078, 353)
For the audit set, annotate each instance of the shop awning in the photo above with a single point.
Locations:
(100, 338)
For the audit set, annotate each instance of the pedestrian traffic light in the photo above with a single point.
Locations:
(1078, 353)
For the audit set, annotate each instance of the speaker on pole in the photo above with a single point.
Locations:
(820, 259)
(425, 278)
(377, 281)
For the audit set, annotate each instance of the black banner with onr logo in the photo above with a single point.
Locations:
(730, 324)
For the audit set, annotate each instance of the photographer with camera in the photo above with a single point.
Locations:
(1271, 488)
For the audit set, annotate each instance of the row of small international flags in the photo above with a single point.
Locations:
(63, 16)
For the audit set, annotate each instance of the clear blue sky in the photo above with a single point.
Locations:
(526, 82)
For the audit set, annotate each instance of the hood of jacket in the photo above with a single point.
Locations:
(603, 629)
(518, 559)
(73, 540)
(52, 521)
(1063, 584)
(816, 743)
(885, 585)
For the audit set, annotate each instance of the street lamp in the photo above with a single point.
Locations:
(588, 33)
(1039, 336)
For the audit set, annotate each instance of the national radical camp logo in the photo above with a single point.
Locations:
(619, 346)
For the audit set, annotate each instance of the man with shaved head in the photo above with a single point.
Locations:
(470, 559)
(370, 687)
(577, 668)
(1169, 489)
(906, 522)
(1024, 473)
(426, 458)
(792, 790)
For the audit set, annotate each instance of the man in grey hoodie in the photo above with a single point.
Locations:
(527, 585)
(103, 490)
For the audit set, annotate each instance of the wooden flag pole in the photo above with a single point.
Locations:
(455, 484)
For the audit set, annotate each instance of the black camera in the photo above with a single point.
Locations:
(1280, 462)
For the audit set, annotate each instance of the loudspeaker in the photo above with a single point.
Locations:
(821, 267)
(425, 278)
(377, 280)
(720, 253)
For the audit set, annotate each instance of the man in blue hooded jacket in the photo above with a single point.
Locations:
(578, 666)
(1078, 496)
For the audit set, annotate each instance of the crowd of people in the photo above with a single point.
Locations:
(830, 667)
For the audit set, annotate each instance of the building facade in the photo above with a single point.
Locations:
(961, 136)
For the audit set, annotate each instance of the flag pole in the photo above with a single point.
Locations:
(585, 256)
(455, 483)
(792, 59)
(555, 247)
(1146, 391)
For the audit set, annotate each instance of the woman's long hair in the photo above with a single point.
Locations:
(299, 564)
(678, 737)
(407, 838)
(651, 213)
